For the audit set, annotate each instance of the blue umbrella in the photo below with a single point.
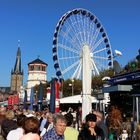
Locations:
(52, 98)
(31, 99)
(40, 97)
(25, 100)
(40, 93)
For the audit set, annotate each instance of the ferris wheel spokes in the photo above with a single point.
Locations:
(97, 44)
(95, 52)
(70, 67)
(77, 72)
(69, 57)
(68, 48)
(94, 66)
(100, 57)
(94, 38)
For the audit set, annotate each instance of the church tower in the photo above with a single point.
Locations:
(17, 73)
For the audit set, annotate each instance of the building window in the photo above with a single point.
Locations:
(31, 68)
(37, 68)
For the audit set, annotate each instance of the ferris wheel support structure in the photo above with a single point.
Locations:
(86, 83)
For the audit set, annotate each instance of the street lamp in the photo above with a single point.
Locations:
(72, 86)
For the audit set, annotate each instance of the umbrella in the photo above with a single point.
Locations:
(40, 97)
(31, 99)
(25, 100)
(40, 93)
(52, 99)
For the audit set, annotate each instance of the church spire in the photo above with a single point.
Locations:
(17, 68)
(17, 73)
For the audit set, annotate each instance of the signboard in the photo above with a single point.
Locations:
(125, 77)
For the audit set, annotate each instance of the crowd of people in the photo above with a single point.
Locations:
(43, 125)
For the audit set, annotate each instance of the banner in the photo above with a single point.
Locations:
(10, 102)
(15, 99)
(57, 103)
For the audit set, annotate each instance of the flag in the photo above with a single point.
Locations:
(16, 99)
(10, 100)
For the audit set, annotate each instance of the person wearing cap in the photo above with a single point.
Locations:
(90, 131)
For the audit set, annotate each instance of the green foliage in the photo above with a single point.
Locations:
(36, 89)
(67, 87)
(97, 82)
(131, 66)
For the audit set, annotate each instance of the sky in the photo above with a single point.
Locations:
(33, 22)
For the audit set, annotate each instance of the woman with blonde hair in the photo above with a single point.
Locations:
(9, 123)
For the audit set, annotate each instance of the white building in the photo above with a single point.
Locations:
(37, 72)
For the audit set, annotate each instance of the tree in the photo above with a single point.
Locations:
(97, 82)
(67, 87)
(36, 88)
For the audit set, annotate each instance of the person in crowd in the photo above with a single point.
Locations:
(9, 123)
(48, 125)
(137, 134)
(56, 133)
(31, 129)
(90, 131)
(101, 123)
(70, 132)
(115, 121)
(79, 117)
(43, 121)
(16, 134)
(30, 136)
(2, 115)
(124, 135)
(133, 124)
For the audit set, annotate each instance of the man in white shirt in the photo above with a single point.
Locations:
(17, 133)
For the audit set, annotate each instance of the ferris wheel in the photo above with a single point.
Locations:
(81, 48)
(76, 29)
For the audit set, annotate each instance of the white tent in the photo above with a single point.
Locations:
(75, 99)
